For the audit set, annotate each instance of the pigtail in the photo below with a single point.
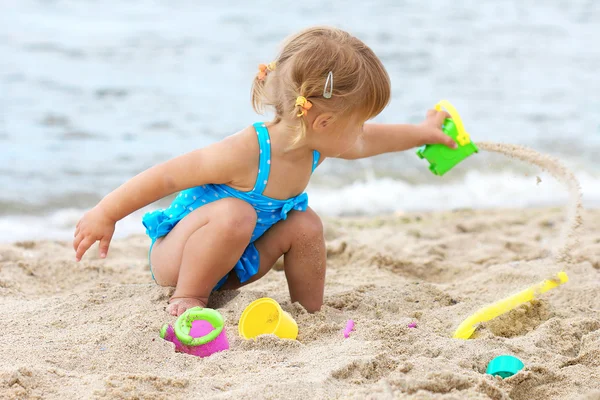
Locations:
(258, 95)
(259, 90)
(298, 108)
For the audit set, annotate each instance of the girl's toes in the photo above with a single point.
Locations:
(172, 309)
(181, 307)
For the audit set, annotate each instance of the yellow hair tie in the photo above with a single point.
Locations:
(264, 69)
(304, 104)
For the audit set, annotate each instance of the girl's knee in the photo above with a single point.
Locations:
(235, 218)
(308, 225)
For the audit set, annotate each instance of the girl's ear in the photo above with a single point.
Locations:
(323, 121)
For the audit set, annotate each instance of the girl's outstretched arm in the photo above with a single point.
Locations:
(217, 163)
(387, 138)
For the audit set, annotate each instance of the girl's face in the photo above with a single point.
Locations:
(336, 136)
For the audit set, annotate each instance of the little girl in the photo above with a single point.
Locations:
(242, 204)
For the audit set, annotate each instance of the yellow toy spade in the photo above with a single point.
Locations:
(468, 326)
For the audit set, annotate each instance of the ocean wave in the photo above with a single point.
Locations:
(367, 197)
(476, 190)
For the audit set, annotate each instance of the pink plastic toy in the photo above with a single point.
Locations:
(349, 328)
(198, 331)
(412, 325)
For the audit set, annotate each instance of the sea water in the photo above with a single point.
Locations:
(94, 92)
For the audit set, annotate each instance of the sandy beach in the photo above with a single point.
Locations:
(90, 330)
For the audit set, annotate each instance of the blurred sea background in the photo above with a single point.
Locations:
(94, 92)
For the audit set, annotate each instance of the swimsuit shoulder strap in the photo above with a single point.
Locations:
(264, 160)
(316, 156)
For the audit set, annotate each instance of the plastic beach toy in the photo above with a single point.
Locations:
(504, 366)
(349, 328)
(265, 316)
(198, 331)
(468, 326)
(442, 158)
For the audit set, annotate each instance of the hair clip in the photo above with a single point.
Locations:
(304, 104)
(328, 89)
(264, 69)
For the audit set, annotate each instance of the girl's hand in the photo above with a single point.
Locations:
(94, 226)
(432, 129)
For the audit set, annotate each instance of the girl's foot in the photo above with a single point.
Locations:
(178, 305)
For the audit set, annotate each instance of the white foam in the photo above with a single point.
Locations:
(59, 225)
(374, 197)
(477, 190)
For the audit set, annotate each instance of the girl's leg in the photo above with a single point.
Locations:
(300, 239)
(201, 249)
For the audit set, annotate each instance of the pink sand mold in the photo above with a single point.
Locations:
(349, 328)
(198, 331)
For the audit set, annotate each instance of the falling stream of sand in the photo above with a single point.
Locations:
(562, 252)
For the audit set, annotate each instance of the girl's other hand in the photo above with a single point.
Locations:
(94, 226)
(432, 129)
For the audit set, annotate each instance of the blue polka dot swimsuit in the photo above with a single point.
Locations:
(269, 211)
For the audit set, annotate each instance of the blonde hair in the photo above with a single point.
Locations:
(361, 83)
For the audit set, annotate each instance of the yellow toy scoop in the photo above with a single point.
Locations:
(468, 326)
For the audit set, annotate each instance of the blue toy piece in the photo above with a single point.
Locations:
(504, 366)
